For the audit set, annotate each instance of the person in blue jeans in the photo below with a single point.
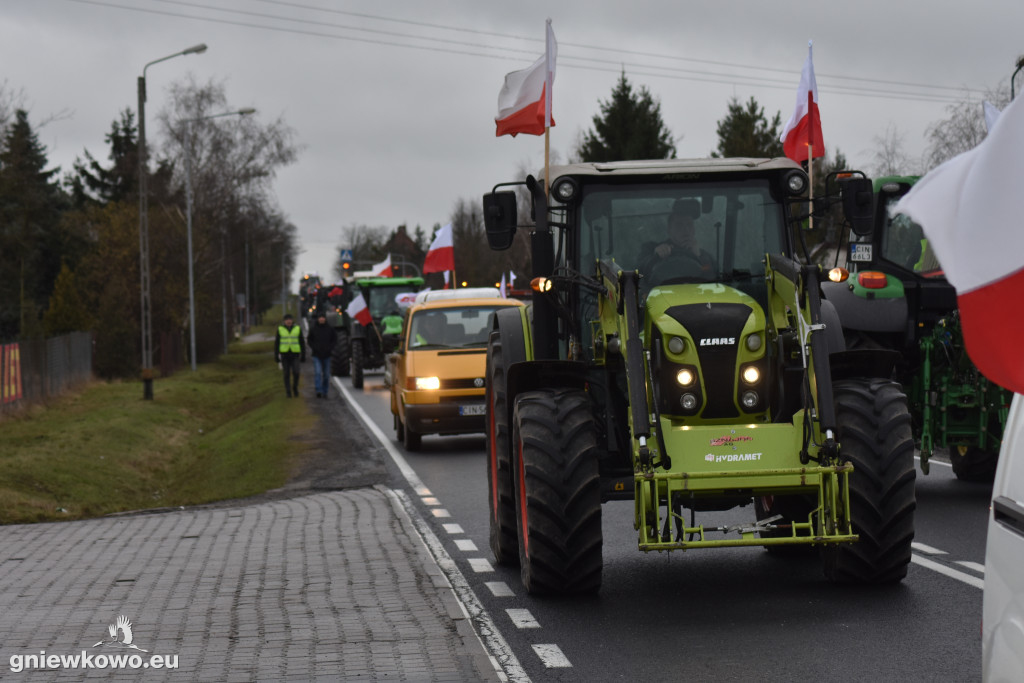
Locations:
(321, 339)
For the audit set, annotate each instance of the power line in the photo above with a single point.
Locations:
(567, 61)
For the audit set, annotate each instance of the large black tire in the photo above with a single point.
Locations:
(399, 429)
(358, 358)
(873, 428)
(340, 355)
(558, 494)
(504, 536)
(973, 464)
(413, 441)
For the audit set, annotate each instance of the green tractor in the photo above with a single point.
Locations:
(699, 373)
(365, 347)
(897, 297)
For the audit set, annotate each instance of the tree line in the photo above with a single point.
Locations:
(69, 244)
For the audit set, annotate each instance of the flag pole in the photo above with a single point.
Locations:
(548, 68)
(810, 155)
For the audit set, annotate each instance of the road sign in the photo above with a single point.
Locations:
(346, 254)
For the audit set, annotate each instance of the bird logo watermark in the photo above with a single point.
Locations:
(122, 626)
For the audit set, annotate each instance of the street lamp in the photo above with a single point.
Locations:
(147, 320)
(188, 216)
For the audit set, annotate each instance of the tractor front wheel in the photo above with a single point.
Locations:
(504, 539)
(558, 494)
(358, 358)
(971, 463)
(340, 355)
(873, 425)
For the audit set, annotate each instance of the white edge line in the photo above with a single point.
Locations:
(948, 571)
(505, 661)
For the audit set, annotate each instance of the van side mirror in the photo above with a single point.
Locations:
(858, 204)
(500, 219)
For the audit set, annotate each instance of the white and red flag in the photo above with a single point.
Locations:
(802, 134)
(524, 103)
(970, 208)
(441, 253)
(501, 287)
(383, 269)
(358, 310)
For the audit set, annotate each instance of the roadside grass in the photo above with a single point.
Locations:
(225, 431)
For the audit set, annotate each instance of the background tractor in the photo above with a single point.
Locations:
(362, 348)
(711, 378)
(897, 297)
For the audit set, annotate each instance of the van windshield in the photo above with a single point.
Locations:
(455, 327)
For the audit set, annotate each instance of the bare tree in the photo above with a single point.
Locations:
(963, 129)
(890, 157)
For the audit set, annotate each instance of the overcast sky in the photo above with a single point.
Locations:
(393, 102)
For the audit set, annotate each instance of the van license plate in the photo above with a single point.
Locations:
(479, 409)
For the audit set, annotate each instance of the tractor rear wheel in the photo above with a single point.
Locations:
(504, 539)
(873, 425)
(558, 494)
(973, 464)
(358, 358)
(340, 355)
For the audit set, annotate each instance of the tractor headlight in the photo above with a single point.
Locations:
(796, 183)
(688, 401)
(751, 375)
(676, 345)
(565, 190)
(749, 399)
(753, 342)
(685, 377)
(427, 383)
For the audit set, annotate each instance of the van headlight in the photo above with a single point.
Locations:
(427, 383)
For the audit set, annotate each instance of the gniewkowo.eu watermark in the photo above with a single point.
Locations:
(121, 638)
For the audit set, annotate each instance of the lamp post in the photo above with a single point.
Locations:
(147, 320)
(1020, 65)
(188, 220)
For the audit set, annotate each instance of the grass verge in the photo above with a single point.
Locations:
(224, 431)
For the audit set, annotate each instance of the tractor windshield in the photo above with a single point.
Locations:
(679, 233)
(383, 299)
(904, 243)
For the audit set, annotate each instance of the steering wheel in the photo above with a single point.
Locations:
(680, 267)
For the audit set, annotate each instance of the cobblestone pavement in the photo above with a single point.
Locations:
(326, 586)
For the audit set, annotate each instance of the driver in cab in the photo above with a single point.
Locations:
(681, 245)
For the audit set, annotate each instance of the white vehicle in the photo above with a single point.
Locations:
(1002, 632)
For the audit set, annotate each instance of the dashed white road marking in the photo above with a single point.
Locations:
(522, 618)
(430, 500)
(551, 656)
(480, 565)
(948, 571)
(499, 589)
(453, 528)
(921, 547)
(466, 545)
(440, 512)
(980, 568)
(504, 660)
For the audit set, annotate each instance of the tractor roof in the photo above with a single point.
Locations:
(663, 166)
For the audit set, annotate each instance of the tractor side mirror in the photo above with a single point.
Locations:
(858, 204)
(500, 219)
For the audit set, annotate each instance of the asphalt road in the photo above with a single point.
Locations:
(710, 615)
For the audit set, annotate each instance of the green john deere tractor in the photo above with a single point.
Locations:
(679, 354)
(897, 297)
(367, 346)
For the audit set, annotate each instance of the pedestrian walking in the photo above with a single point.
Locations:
(321, 339)
(289, 351)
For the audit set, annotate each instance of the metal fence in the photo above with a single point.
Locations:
(34, 370)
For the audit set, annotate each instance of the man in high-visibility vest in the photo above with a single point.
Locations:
(289, 351)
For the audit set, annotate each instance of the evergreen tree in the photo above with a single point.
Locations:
(629, 127)
(120, 182)
(745, 132)
(30, 240)
(67, 311)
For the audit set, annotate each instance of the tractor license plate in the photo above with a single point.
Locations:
(860, 252)
(478, 409)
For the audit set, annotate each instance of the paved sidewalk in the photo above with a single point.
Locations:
(328, 586)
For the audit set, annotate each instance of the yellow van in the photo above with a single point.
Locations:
(436, 376)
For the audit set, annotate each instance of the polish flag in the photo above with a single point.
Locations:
(383, 269)
(359, 310)
(441, 254)
(970, 208)
(524, 103)
(803, 130)
(501, 288)
(991, 114)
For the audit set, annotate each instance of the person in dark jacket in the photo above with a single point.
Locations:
(321, 339)
(289, 351)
